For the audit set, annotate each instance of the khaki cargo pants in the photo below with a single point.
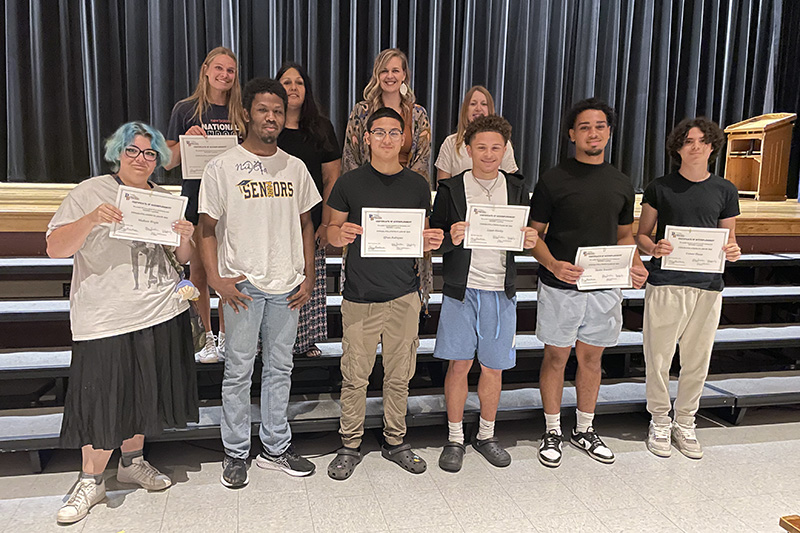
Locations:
(395, 324)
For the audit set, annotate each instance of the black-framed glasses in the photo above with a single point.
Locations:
(134, 151)
(394, 134)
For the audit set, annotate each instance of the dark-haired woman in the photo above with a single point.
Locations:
(310, 136)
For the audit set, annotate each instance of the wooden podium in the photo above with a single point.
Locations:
(758, 155)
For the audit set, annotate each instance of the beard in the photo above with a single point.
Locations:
(594, 152)
(268, 139)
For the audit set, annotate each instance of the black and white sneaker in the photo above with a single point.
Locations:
(589, 441)
(234, 472)
(288, 462)
(550, 449)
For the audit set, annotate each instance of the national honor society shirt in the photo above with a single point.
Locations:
(257, 202)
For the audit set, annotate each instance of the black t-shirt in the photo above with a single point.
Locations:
(300, 144)
(214, 120)
(372, 280)
(681, 202)
(584, 204)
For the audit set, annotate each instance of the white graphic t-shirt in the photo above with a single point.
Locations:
(257, 202)
(118, 286)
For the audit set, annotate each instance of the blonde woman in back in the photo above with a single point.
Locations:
(215, 108)
(453, 158)
(390, 87)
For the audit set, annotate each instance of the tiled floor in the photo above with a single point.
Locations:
(747, 480)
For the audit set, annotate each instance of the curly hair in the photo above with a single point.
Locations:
(494, 123)
(585, 105)
(259, 86)
(712, 134)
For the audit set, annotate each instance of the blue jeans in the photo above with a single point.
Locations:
(270, 315)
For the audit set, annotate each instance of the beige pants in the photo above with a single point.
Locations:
(678, 315)
(395, 324)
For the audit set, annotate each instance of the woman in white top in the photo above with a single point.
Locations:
(453, 158)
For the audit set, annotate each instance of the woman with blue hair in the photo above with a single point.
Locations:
(132, 372)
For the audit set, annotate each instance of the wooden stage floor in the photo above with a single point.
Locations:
(27, 208)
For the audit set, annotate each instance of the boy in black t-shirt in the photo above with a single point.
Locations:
(381, 295)
(582, 202)
(683, 307)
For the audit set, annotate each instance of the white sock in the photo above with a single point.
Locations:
(455, 432)
(552, 422)
(485, 429)
(584, 421)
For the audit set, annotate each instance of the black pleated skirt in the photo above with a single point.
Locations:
(135, 383)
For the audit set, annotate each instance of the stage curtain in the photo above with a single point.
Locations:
(76, 70)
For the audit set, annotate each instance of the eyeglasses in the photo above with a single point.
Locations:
(394, 135)
(134, 151)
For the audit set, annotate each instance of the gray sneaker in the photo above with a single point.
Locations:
(685, 440)
(658, 439)
(85, 494)
(142, 473)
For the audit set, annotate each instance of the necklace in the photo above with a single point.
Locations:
(487, 191)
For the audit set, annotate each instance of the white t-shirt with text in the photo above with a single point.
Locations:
(257, 202)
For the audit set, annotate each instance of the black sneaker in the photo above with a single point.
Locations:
(550, 449)
(288, 462)
(234, 472)
(590, 442)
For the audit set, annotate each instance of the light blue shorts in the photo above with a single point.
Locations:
(484, 323)
(564, 316)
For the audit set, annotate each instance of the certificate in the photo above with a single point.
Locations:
(392, 232)
(147, 216)
(197, 151)
(695, 249)
(605, 267)
(496, 227)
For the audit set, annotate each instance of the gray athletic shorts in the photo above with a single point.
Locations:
(592, 317)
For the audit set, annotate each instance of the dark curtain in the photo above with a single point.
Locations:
(787, 97)
(76, 70)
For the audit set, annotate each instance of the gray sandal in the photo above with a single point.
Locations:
(452, 457)
(344, 463)
(406, 458)
(492, 451)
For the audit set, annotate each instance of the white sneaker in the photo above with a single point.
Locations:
(142, 473)
(209, 353)
(658, 439)
(85, 494)
(685, 440)
(221, 345)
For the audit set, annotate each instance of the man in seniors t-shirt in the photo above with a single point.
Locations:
(258, 199)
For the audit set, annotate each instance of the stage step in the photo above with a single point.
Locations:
(46, 265)
(52, 309)
(55, 363)
(39, 429)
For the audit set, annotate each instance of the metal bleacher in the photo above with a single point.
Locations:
(767, 283)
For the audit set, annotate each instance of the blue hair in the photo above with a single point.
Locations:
(124, 136)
